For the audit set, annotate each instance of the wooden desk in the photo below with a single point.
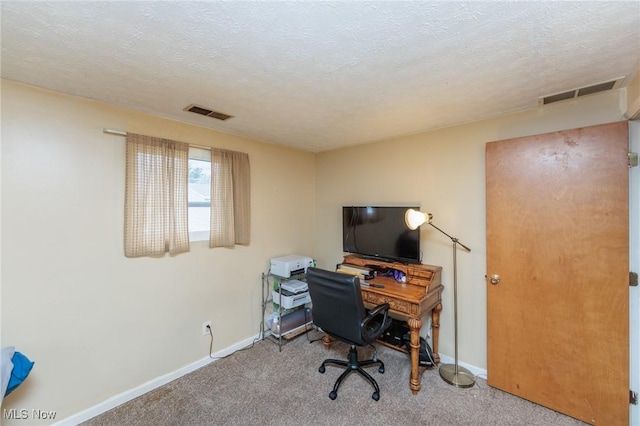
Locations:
(409, 301)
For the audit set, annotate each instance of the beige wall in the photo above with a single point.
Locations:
(633, 98)
(443, 171)
(96, 323)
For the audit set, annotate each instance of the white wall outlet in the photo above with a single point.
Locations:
(205, 328)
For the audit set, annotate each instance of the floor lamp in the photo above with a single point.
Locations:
(450, 373)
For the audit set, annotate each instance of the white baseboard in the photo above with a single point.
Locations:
(476, 371)
(131, 394)
(126, 396)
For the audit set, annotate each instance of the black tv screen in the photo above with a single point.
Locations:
(380, 232)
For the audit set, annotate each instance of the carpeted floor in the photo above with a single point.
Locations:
(263, 386)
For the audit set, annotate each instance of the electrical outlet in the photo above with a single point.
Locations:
(205, 328)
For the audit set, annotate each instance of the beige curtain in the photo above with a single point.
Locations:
(230, 198)
(156, 209)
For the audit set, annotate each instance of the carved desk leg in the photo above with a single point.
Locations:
(327, 340)
(414, 382)
(435, 327)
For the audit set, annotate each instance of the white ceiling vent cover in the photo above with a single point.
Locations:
(208, 112)
(581, 91)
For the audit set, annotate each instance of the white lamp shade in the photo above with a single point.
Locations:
(414, 218)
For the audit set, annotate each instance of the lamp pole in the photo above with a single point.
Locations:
(454, 374)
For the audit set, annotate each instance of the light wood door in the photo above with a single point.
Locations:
(557, 236)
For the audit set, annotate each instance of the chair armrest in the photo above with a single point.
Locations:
(375, 311)
(383, 308)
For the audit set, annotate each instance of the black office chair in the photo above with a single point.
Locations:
(338, 310)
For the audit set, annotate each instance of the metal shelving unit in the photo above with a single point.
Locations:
(279, 332)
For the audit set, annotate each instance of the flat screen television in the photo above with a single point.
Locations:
(380, 232)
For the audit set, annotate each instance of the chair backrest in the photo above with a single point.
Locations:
(336, 304)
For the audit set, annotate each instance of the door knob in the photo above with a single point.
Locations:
(495, 279)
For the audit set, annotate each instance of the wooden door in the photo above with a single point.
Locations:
(557, 236)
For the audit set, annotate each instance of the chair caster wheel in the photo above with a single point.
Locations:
(321, 369)
(381, 370)
(333, 395)
(375, 396)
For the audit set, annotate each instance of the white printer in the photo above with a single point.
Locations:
(285, 266)
(295, 286)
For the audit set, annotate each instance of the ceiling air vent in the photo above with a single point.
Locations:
(208, 112)
(581, 91)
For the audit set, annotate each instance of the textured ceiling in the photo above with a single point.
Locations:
(320, 75)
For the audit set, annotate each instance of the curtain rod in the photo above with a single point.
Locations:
(121, 133)
(114, 132)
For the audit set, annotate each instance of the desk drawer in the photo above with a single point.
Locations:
(395, 304)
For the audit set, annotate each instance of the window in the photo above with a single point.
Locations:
(175, 194)
(199, 194)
